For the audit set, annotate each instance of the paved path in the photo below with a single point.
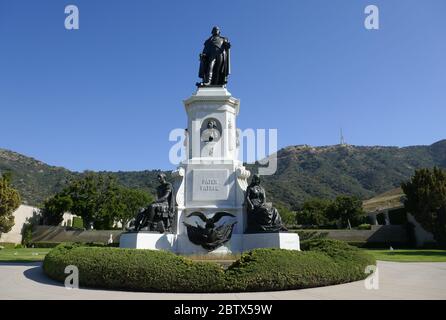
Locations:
(396, 281)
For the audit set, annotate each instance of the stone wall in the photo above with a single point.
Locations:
(380, 234)
(390, 234)
(60, 234)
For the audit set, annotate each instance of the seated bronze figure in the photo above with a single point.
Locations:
(262, 216)
(158, 216)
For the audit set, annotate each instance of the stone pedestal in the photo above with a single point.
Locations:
(237, 244)
(148, 240)
(282, 240)
(211, 180)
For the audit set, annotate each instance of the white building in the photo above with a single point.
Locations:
(26, 214)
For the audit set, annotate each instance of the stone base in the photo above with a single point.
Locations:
(282, 240)
(148, 240)
(181, 244)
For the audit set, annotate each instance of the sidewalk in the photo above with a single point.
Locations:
(396, 281)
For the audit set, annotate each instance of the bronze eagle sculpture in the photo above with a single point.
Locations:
(210, 236)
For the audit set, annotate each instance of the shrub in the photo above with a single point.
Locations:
(288, 216)
(78, 223)
(9, 202)
(346, 210)
(134, 269)
(7, 245)
(54, 208)
(364, 226)
(305, 235)
(49, 244)
(426, 201)
(18, 246)
(27, 234)
(358, 244)
(327, 262)
(44, 244)
(313, 212)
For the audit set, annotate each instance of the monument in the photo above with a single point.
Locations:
(211, 208)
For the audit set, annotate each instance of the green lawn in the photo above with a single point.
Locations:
(22, 255)
(410, 255)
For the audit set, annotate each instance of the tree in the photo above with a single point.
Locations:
(9, 202)
(93, 199)
(128, 203)
(98, 199)
(288, 216)
(346, 210)
(426, 201)
(53, 209)
(313, 212)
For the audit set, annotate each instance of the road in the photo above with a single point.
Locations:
(396, 281)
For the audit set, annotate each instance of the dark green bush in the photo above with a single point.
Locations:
(358, 244)
(305, 235)
(8, 245)
(49, 244)
(364, 226)
(139, 270)
(327, 262)
(27, 234)
(78, 223)
(44, 244)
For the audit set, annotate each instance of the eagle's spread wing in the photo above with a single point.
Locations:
(198, 214)
(220, 215)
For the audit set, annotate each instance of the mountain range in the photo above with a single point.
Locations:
(302, 172)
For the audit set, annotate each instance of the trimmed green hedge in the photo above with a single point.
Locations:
(44, 244)
(327, 262)
(132, 269)
(7, 245)
(364, 226)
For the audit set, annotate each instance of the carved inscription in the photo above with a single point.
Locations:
(209, 185)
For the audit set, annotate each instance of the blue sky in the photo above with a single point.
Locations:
(106, 96)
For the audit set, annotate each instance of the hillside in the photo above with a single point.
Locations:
(390, 199)
(303, 172)
(34, 179)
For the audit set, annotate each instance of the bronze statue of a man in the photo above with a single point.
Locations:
(159, 215)
(215, 60)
